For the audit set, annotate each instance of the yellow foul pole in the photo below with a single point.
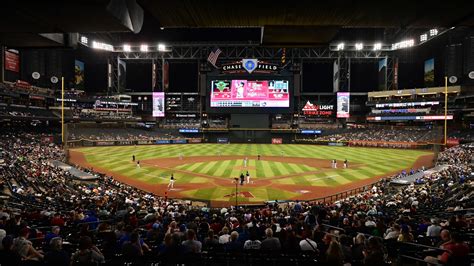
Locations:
(62, 110)
(445, 109)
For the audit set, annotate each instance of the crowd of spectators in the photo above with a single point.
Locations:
(182, 123)
(25, 112)
(377, 135)
(50, 217)
(120, 134)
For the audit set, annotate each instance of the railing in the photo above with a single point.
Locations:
(344, 194)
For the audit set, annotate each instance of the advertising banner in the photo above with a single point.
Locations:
(144, 142)
(429, 72)
(179, 141)
(124, 142)
(320, 110)
(188, 130)
(337, 144)
(310, 131)
(277, 140)
(222, 140)
(12, 61)
(158, 104)
(163, 141)
(343, 104)
(452, 141)
(79, 74)
(383, 74)
(104, 143)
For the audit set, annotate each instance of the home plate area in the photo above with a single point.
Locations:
(244, 194)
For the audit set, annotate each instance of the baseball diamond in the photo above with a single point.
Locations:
(303, 172)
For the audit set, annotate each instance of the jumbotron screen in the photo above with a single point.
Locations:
(250, 93)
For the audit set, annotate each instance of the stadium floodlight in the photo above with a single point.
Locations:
(84, 40)
(377, 46)
(144, 48)
(403, 44)
(102, 46)
(359, 46)
(433, 32)
(161, 47)
(340, 46)
(127, 48)
(423, 37)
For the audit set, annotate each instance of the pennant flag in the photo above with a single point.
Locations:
(213, 55)
(336, 77)
(283, 56)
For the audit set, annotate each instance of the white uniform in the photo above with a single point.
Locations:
(248, 179)
(171, 184)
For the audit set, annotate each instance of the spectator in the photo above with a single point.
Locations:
(87, 253)
(7, 255)
(457, 252)
(54, 233)
(374, 254)
(132, 250)
(307, 244)
(393, 232)
(270, 243)
(334, 255)
(234, 244)
(191, 245)
(224, 238)
(253, 242)
(211, 241)
(434, 229)
(56, 255)
(25, 248)
(405, 234)
(358, 248)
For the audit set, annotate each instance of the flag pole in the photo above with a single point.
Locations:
(62, 109)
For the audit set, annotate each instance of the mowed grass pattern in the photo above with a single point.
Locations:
(258, 169)
(374, 162)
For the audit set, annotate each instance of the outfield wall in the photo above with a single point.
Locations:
(264, 137)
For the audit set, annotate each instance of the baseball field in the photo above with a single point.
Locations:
(283, 172)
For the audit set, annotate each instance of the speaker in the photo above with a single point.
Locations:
(202, 85)
(297, 84)
(453, 62)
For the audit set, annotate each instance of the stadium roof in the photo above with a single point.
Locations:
(293, 22)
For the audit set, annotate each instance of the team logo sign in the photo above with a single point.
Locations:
(249, 64)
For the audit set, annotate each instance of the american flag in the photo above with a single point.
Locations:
(212, 58)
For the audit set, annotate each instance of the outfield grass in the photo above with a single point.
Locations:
(278, 180)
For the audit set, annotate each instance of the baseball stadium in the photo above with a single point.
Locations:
(236, 133)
